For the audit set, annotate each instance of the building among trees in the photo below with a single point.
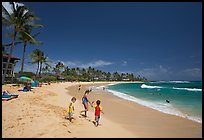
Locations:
(10, 72)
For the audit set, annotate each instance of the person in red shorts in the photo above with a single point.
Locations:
(98, 110)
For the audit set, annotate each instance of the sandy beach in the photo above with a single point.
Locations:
(41, 113)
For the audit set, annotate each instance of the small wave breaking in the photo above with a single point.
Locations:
(146, 86)
(178, 82)
(189, 89)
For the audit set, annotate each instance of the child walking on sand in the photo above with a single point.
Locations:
(98, 109)
(70, 109)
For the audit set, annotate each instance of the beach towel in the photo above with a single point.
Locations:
(6, 97)
(9, 95)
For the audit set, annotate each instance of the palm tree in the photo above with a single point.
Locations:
(58, 67)
(4, 51)
(18, 18)
(83, 71)
(35, 56)
(108, 76)
(56, 70)
(116, 76)
(43, 60)
(39, 57)
(66, 70)
(46, 69)
(27, 39)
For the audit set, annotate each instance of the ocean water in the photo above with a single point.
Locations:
(185, 97)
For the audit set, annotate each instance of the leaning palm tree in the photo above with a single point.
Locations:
(35, 57)
(27, 39)
(43, 60)
(16, 19)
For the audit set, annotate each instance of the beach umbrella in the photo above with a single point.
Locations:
(27, 79)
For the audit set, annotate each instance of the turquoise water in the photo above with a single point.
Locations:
(185, 97)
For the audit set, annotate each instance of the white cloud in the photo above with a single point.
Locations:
(193, 73)
(162, 69)
(97, 63)
(163, 73)
(124, 63)
(155, 73)
(27, 67)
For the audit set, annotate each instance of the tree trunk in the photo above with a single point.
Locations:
(40, 69)
(24, 50)
(9, 57)
(37, 70)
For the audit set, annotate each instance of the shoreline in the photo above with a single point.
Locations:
(178, 126)
(135, 100)
(41, 114)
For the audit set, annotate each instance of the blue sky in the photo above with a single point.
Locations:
(161, 41)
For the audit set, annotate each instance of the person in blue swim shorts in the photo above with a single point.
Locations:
(85, 102)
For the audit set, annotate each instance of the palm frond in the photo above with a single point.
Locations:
(37, 25)
(12, 4)
(6, 22)
(9, 35)
(36, 34)
(36, 43)
(30, 37)
(10, 44)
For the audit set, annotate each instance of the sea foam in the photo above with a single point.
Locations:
(146, 86)
(171, 82)
(162, 107)
(189, 89)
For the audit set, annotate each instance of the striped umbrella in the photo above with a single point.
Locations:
(27, 79)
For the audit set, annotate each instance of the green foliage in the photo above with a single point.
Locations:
(48, 78)
(27, 74)
(92, 74)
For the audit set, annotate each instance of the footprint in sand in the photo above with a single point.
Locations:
(19, 119)
(11, 126)
(41, 134)
(64, 125)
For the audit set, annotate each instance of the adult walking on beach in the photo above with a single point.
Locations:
(85, 102)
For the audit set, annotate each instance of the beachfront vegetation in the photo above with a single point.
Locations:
(46, 73)
(77, 74)
(62, 72)
(18, 19)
